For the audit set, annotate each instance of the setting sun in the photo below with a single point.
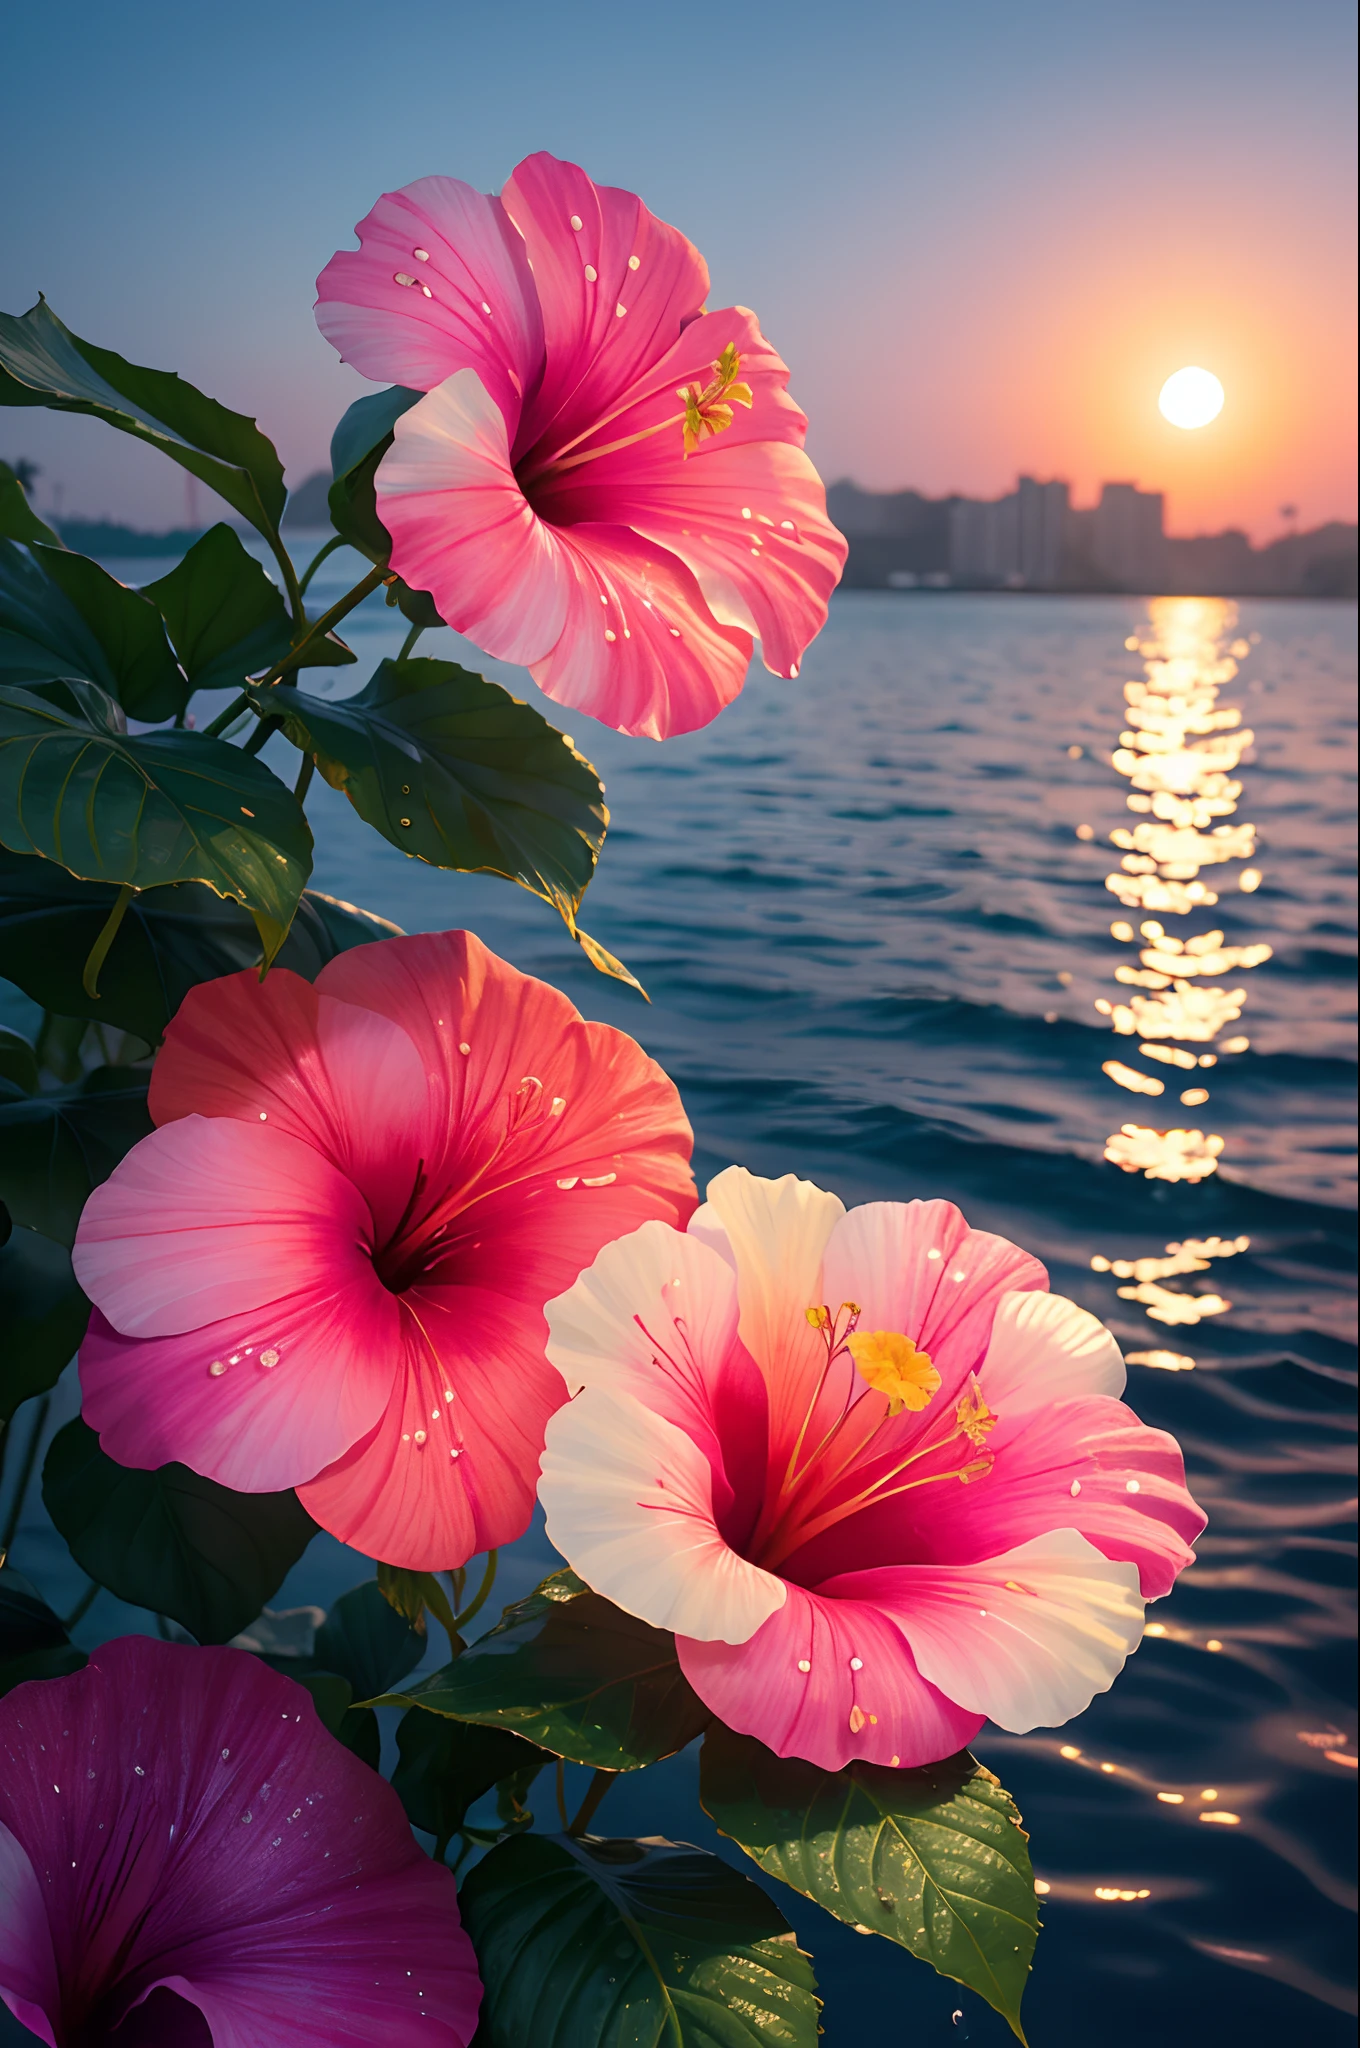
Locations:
(1191, 398)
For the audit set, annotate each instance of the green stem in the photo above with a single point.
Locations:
(227, 717)
(339, 610)
(83, 1605)
(290, 581)
(589, 1806)
(266, 728)
(99, 951)
(16, 1506)
(305, 774)
(337, 540)
(409, 642)
(483, 1591)
(562, 1794)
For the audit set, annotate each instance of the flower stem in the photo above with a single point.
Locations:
(409, 642)
(16, 1506)
(337, 540)
(339, 610)
(589, 1806)
(290, 582)
(99, 951)
(483, 1591)
(305, 774)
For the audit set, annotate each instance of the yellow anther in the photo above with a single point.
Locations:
(893, 1366)
(820, 1317)
(976, 1419)
(709, 411)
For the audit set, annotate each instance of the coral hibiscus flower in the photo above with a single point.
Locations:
(874, 1476)
(327, 1268)
(184, 1847)
(605, 481)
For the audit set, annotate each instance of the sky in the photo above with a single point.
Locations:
(981, 235)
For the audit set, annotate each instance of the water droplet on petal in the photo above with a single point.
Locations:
(570, 1182)
(559, 1103)
(420, 1436)
(247, 1816)
(804, 1664)
(225, 1754)
(620, 310)
(610, 635)
(857, 1719)
(264, 1116)
(217, 1368)
(1076, 1488)
(599, 1180)
(934, 1254)
(576, 222)
(793, 671)
(745, 511)
(634, 262)
(1133, 1487)
(591, 273)
(421, 255)
(856, 1663)
(465, 1047)
(269, 1356)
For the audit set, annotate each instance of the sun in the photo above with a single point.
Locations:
(1191, 398)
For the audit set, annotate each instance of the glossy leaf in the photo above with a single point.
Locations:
(457, 772)
(169, 1540)
(367, 1642)
(33, 1642)
(43, 363)
(43, 1315)
(160, 807)
(18, 520)
(55, 1147)
(62, 615)
(169, 940)
(444, 1767)
(226, 617)
(358, 445)
(935, 1859)
(595, 1943)
(571, 1672)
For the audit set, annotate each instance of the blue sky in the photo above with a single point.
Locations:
(951, 218)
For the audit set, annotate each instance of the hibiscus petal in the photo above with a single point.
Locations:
(640, 650)
(830, 1679)
(449, 1468)
(778, 1231)
(341, 1078)
(746, 510)
(629, 1501)
(1043, 1349)
(917, 1268)
(28, 1967)
(216, 1244)
(1027, 1638)
(470, 303)
(463, 529)
(599, 332)
(202, 1831)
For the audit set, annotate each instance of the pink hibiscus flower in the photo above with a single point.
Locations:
(179, 1833)
(327, 1268)
(874, 1476)
(605, 481)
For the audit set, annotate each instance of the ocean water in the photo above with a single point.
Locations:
(873, 912)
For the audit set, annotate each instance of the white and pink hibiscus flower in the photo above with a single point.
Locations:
(604, 481)
(187, 1858)
(874, 1476)
(326, 1269)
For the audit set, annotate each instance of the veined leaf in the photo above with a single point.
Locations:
(43, 363)
(55, 1148)
(571, 1672)
(935, 1859)
(358, 445)
(444, 1767)
(62, 615)
(170, 939)
(170, 1540)
(457, 772)
(367, 1641)
(162, 807)
(226, 617)
(595, 1943)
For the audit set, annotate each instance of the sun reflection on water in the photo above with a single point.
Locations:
(1179, 752)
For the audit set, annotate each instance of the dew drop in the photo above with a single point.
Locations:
(485, 308)
(591, 273)
(1133, 1487)
(1076, 1488)
(455, 1453)
(609, 635)
(426, 289)
(634, 262)
(264, 1116)
(559, 1103)
(434, 1415)
(576, 222)
(225, 1754)
(599, 1180)
(269, 1356)
(745, 511)
(960, 1275)
(139, 1771)
(448, 1393)
(570, 1182)
(856, 1663)
(620, 310)
(421, 255)
(420, 1436)
(401, 277)
(246, 1817)
(934, 1254)
(857, 1719)
(465, 1047)
(804, 1664)
(217, 1368)
(675, 632)
(407, 823)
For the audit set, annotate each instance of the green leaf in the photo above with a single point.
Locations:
(595, 1944)
(457, 772)
(367, 1642)
(162, 807)
(356, 1727)
(444, 1767)
(43, 363)
(169, 1540)
(62, 615)
(169, 940)
(934, 1859)
(18, 520)
(226, 617)
(571, 1672)
(358, 445)
(33, 1642)
(42, 1313)
(18, 1061)
(54, 1148)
